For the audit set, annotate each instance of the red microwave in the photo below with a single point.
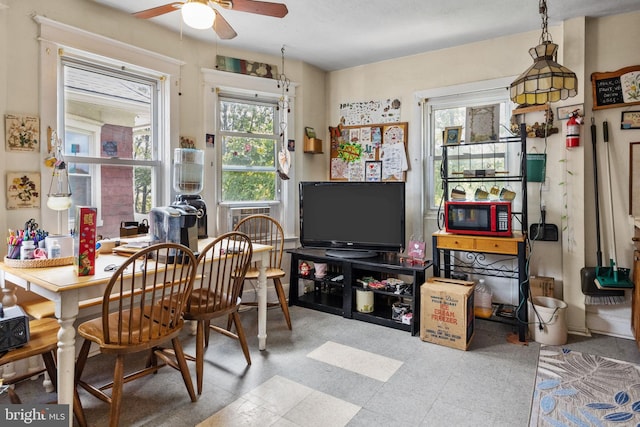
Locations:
(478, 218)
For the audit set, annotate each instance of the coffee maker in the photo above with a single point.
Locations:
(197, 202)
(188, 179)
(176, 224)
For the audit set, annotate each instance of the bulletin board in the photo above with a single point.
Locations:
(372, 152)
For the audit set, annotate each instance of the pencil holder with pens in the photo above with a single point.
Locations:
(13, 251)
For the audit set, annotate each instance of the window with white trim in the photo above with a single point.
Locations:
(450, 110)
(249, 147)
(110, 139)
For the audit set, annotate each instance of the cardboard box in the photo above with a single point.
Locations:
(85, 240)
(446, 312)
(541, 286)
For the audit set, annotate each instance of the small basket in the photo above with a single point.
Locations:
(38, 263)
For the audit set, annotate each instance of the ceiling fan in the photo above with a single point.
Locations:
(202, 14)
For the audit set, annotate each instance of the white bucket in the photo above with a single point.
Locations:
(364, 301)
(549, 325)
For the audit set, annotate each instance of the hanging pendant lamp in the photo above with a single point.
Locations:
(545, 81)
(60, 187)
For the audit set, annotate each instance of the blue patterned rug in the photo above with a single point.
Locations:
(578, 389)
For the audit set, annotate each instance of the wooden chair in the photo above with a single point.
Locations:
(219, 292)
(43, 341)
(267, 231)
(140, 319)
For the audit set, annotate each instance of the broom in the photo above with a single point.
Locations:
(592, 294)
(614, 277)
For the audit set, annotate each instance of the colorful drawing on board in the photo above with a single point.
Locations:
(349, 152)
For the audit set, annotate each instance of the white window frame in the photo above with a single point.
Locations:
(56, 38)
(469, 94)
(216, 81)
(92, 129)
(275, 136)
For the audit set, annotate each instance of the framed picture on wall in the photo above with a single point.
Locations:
(452, 135)
(483, 123)
(630, 120)
(23, 190)
(22, 133)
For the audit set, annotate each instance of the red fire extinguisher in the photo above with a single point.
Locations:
(573, 129)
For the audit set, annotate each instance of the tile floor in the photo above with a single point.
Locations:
(331, 371)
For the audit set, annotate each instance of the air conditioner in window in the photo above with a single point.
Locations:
(238, 214)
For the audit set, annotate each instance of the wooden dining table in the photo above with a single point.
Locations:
(66, 289)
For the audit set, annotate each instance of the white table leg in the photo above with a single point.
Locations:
(67, 313)
(9, 371)
(262, 301)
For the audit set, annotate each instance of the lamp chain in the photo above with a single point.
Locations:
(545, 36)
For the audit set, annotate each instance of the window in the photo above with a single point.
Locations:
(249, 146)
(450, 110)
(110, 142)
(246, 153)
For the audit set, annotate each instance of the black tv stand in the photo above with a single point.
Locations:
(348, 253)
(337, 291)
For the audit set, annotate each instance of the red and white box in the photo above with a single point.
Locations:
(85, 240)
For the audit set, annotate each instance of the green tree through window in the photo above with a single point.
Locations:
(249, 144)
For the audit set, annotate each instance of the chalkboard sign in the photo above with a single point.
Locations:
(608, 92)
(609, 88)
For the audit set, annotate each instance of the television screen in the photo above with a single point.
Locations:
(361, 217)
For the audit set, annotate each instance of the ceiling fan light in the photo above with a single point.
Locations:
(198, 14)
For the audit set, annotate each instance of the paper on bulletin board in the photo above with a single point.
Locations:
(369, 112)
(356, 171)
(393, 153)
(339, 169)
(352, 147)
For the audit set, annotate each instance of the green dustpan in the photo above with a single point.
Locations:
(613, 277)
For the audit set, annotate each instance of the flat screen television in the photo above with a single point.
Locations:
(352, 219)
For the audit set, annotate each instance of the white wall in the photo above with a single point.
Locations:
(585, 46)
(611, 45)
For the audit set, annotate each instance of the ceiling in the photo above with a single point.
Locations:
(337, 34)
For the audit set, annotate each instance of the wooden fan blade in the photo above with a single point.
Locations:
(222, 27)
(157, 11)
(277, 10)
